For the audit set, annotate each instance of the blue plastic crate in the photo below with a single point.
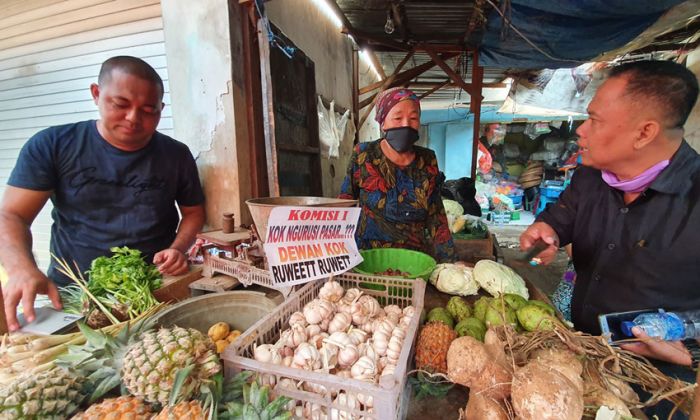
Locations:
(517, 200)
(551, 192)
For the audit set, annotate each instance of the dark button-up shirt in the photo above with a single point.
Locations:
(641, 255)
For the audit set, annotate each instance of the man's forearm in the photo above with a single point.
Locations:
(190, 226)
(16, 246)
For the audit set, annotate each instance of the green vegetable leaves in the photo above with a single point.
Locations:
(126, 278)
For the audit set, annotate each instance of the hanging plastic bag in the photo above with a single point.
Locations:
(484, 159)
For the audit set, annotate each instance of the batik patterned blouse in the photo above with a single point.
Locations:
(401, 206)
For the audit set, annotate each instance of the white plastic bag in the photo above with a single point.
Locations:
(331, 129)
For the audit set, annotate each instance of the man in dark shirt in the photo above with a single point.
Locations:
(113, 182)
(632, 213)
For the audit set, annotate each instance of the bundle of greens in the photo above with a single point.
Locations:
(122, 283)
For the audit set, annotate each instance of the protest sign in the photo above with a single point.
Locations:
(309, 243)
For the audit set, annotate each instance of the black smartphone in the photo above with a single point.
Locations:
(612, 323)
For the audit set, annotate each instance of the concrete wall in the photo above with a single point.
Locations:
(305, 24)
(692, 126)
(198, 50)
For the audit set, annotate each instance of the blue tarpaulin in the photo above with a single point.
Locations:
(571, 32)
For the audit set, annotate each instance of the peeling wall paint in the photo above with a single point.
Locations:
(198, 50)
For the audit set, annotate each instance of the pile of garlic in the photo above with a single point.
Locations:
(345, 333)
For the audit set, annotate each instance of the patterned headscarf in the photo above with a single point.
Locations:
(391, 97)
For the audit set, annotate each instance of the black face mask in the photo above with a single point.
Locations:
(401, 139)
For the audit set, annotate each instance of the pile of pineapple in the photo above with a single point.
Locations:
(344, 333)
(167, 373)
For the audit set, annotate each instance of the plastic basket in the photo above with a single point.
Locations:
(390, 395)
(416, 264)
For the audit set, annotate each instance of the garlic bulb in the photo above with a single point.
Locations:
(313, 411)
(366, 349)
(345, 308)
(393, 310)
(382, 362)
(317, 340)
(366, 400)
(287, 361)
(348, 355)
(329, 356)
(267, 353)
(364, 369)
(312, 330)
(388, 369)
(380, 342)
(404, 321)
(351, 295)
(266, 379)
(385, 326)
(357, 336)
(339, 338)
(400, 332)
(332, 291)
(380, 313)
(286, 351)
(344, 400)
(344, 373)
(367, 327)
(393, 350)
(360, 314)
(307, 357)
(324, 324)
(371, 305)
(312, 387)
(340, 322)
(317, 310)
(409, 311)
(297, 318)
(295, 336)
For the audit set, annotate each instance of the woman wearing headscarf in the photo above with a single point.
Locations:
(396, 183)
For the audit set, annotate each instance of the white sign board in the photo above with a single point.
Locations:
(310, 243)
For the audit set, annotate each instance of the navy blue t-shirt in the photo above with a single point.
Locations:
(105, 197)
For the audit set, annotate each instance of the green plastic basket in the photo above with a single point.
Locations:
(378, 260)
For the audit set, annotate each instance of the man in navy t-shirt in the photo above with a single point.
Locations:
(113, 182)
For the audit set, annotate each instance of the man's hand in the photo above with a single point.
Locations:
(541, 230)
(25, 287)
(171, 262)
(654, 348)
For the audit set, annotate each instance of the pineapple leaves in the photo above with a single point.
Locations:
(180, 378)
(94, 338)
(104, 387)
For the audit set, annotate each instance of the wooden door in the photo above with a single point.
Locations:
(296, 122)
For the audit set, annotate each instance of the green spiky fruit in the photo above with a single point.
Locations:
(547, 307)
(441, 315)
(52, 394)
(499, 313)
(458, 308)
(152, 361)
(536, 317)
(480, 307)
(514, 301)
(471, 327)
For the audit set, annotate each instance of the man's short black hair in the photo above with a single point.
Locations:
(670, 85)
(130, 65)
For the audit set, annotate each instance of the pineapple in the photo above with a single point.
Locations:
(51, 394)
(117, 408)
(431, 350)
(146, 364)
(190, 410)
(152, 361)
